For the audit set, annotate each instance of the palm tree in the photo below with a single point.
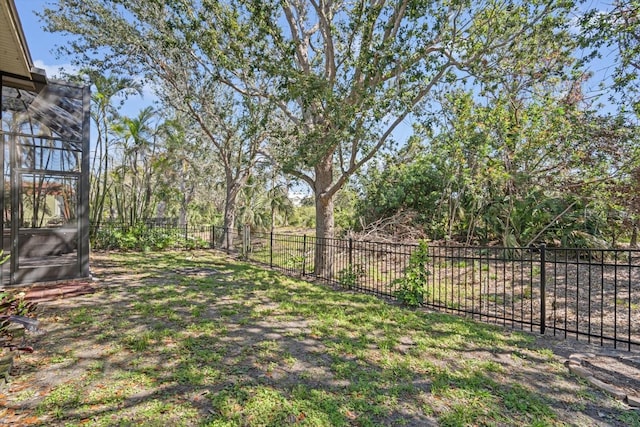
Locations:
(103, 113)
(139, 145)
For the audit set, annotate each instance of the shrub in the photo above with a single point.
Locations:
(411, 291)
(142, 237)
(348, 277)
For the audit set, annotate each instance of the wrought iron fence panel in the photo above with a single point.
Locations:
(586, 294)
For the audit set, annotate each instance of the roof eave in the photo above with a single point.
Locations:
(26, 75)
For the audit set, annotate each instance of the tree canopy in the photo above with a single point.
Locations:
(320, 88)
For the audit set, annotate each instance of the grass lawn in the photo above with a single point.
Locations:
(195, 338)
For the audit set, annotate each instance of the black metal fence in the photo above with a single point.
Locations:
(586, 294)
(165, 235)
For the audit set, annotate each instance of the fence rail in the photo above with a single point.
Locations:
(586, 294)
(156, 235)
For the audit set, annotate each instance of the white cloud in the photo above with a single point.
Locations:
(55, 71)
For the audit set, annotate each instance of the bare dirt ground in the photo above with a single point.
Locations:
(613, 371)
(619, 370)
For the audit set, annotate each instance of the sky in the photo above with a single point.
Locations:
(42, 43)
(38, 40)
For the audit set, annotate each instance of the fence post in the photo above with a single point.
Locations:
(243, 245)
(543, 288)
(212, 242)
(271, 250)
(304, 254)
(351, 253)
(246, 241)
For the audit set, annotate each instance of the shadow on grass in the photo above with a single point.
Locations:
(185, 338)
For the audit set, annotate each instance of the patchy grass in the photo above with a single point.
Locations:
(183, 338)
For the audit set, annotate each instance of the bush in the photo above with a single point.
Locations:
(143, 237)
(349, 276)
(303, 216)
(412, 289)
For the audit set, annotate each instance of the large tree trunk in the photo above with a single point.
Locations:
(187, 196)
(233, 188)
(229, 222)
(323, 260)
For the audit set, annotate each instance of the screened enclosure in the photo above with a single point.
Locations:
(45, 149)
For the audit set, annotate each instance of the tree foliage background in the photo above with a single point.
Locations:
(476, 117)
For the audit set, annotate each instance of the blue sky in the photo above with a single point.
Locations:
(42, 43)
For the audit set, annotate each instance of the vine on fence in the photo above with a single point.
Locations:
(348, 277)
(412, 289)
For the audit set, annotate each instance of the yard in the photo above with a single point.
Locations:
(196, 338)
